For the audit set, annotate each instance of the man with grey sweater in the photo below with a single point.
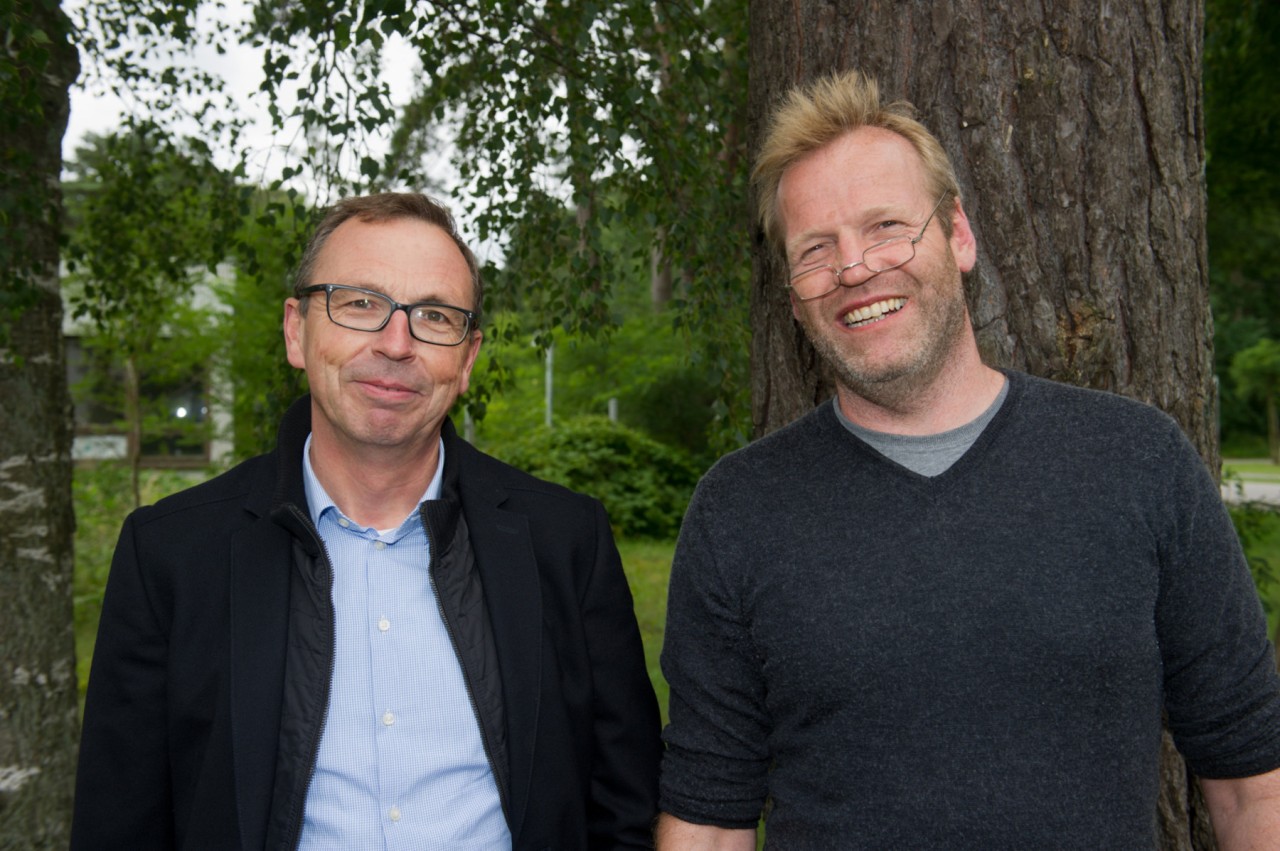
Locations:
(950, 608)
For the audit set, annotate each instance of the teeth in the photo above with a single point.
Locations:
(872, 312)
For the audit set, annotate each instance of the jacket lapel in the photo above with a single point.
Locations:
(504, 558)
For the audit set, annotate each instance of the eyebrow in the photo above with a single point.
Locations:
(431, 299)
(896, 210)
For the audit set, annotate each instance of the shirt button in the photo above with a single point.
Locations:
(384, 624)
(388, 718)
(380, 545)
(344, 523)
(394, 813)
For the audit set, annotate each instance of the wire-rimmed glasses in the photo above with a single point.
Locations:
(881, 257)
(363, 309)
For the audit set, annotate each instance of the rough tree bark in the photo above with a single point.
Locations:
(1076, 131)
(38, 708)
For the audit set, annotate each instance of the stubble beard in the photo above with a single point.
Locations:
(897, 384)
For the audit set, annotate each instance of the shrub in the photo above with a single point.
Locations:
(1258, 525)
(644, 485)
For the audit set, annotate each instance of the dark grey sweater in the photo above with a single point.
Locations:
(974, 660)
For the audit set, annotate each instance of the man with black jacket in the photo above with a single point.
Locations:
(374, 636)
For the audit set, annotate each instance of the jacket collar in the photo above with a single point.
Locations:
(504, 556)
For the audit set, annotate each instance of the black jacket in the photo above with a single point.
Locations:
(211, 672)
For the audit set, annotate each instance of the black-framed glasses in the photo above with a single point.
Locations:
(361, 309)
(881, 257)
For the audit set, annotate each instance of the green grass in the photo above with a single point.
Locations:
(647, 564)
(1259, 530)
(1265, 548)
(1251, 469)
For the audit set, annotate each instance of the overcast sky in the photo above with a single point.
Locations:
(241, 70)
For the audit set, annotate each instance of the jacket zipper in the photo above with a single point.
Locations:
(466, 677)
(299, 805)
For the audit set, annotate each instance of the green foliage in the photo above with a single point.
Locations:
(1242, 124)
(141, 385)
(102, 500)
(1242, 421)
(259, 378)
(1256, 374)
(1256, 370)
(152, 221)
(31, 69)
(591, 141)
(571, 122)
(149, 221)
(1258, 525)
(644, 485)
(1242, 98)
(141, 51)
(152, 213)
(641, 365)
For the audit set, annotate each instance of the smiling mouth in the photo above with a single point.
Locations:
(873, 312)
(384, 387)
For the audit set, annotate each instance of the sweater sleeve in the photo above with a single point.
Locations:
(1222, 692)
(715, 768)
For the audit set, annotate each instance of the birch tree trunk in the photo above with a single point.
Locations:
(1076, 131)
(38, 707)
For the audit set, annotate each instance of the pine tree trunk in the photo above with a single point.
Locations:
(38, 707)
(1076, 131)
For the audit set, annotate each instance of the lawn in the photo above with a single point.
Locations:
(1250, 469)
(647, 564)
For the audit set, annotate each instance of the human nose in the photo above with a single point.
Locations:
(854, 274)
(394, 340)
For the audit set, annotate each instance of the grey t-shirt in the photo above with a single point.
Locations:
(929, 454)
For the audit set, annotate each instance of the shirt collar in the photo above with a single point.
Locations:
(318, 501)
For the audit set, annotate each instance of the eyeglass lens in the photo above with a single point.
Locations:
(881, 257)
(365, 311)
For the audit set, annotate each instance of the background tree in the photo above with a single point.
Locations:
(568, 120)
(151, 219)
(622, 114)
(1242, 122)
(1078, 141)
(256, 375)
(1255, 372)
(38, 723)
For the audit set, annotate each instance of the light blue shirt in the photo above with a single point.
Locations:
(401, 762)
